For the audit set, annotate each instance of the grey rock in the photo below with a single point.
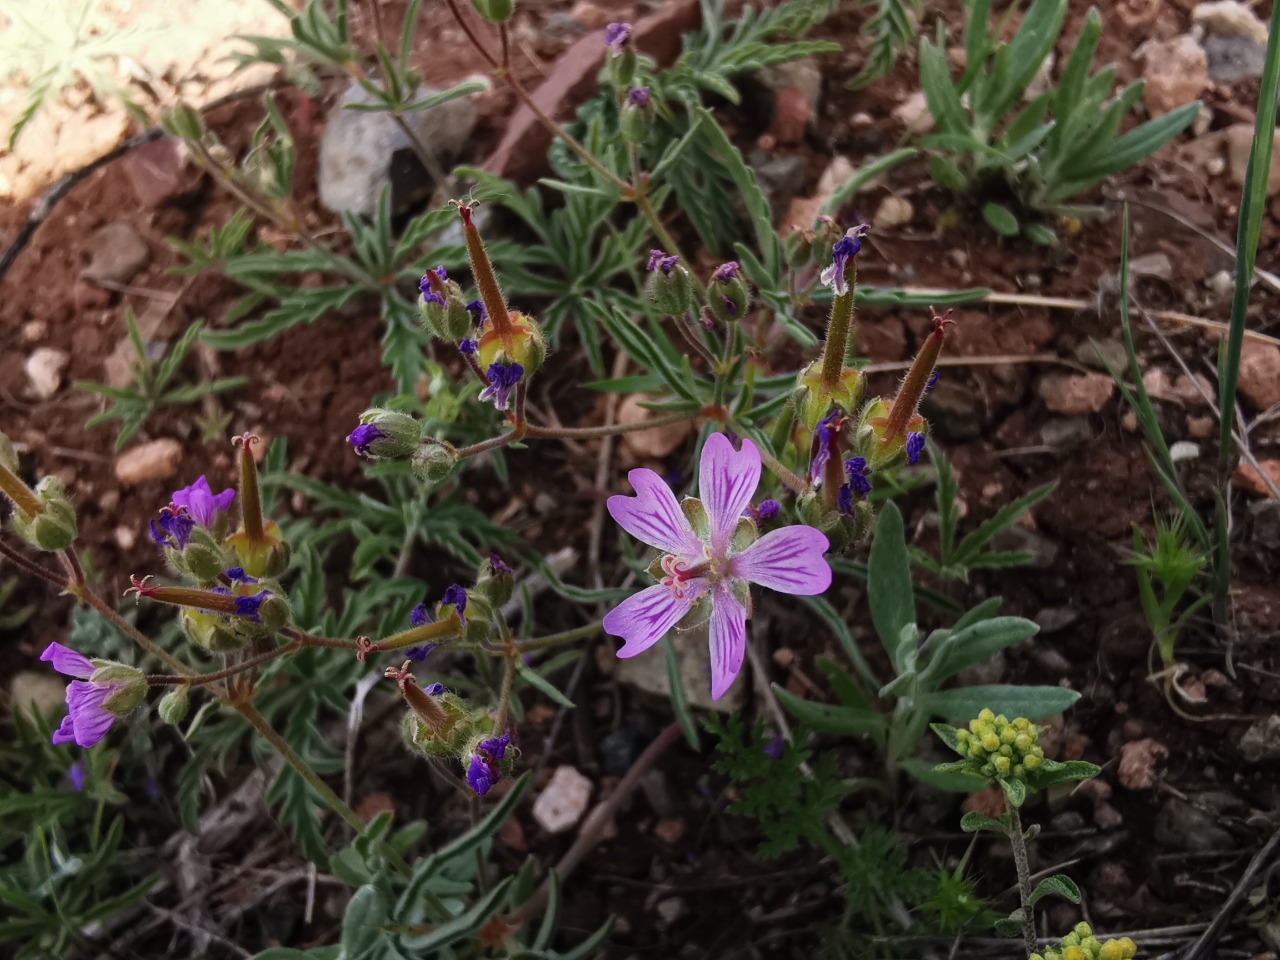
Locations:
(1098, 353)
(562, 24)
(1183, 450)
(693, 659)
(670, 910)
(781, 179)
(1233, 58)
(1261, 742)
(1152, 265)
(1044, 552)
(955, 412)
(1066, 432)
(1265, 515)
(117, 254)
(362, 152)
(1051, 660)
(1054, 619)
(1183, 827)
(44, 369)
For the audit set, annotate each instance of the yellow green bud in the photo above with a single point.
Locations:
(54, 527)
(173, 705)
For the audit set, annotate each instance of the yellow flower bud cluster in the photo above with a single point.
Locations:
(996, 746)
(1081, 944)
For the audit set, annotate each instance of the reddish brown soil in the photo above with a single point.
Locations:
(309, 385)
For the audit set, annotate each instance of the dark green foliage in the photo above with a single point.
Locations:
(788, 805)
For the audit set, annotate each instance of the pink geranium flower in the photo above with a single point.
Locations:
(714, 563)
(87, 719)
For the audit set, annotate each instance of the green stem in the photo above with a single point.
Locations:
(197, 680)
(559, 639)
(836, 347)
(331, 799)
(1023, 865)
(17, 491)
(128, 629)
(588, 433)
(789, 479)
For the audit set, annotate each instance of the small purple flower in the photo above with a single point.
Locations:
(456, 596)
(845, 249)
(75, 773)
(174, 527)
(202, 503)
(826, 436)
(765, 510)
(477, 311)
(658, 259)
(87, 719)
(855, 471)
(726, 272)
(248, 606)
(497, 564)
(706, 567)
(152, 787)
(638, 97)
(502, 377)
(468, 346)
(434, 689)
(364, 435)
(773, 749)
(615, 36)
(483, 770)
(420, 616)
(480, 777)
(438, 275)
(933, 378)
(915, 443)
(237, 575)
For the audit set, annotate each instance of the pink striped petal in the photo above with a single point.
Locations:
(653, 516)
(728, 640)
(789, 560)
(67, 662)
(727, 478)
(644, 618)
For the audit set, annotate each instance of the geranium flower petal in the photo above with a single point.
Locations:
(728, 640)
(67, 662)
(644, 618)
(727, 479)
(789, 560)
(653, 516)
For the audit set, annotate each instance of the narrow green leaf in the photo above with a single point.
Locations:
(889, 590)
(962, 704)
(679, 702)
(541, 683)
(829, 718)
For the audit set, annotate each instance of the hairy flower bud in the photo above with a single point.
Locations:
(54, 527)
(386, 434)
(728, 294)
(637, 115)
(434, 464)
(173, 705)
(527, 346)
(495, 581)
(668, 285)
(202, 559)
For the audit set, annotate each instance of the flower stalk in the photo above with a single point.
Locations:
(906, 404)
(450, 628)
(250, 498)
(836, 347)
(17, 491)
(486, 281)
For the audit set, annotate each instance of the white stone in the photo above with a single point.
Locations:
(357, 146)
(44, 369)
(157, 460)
(913, 113)
(892, 212)
(1183, 450)
(564, 800)
(1230, 18)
